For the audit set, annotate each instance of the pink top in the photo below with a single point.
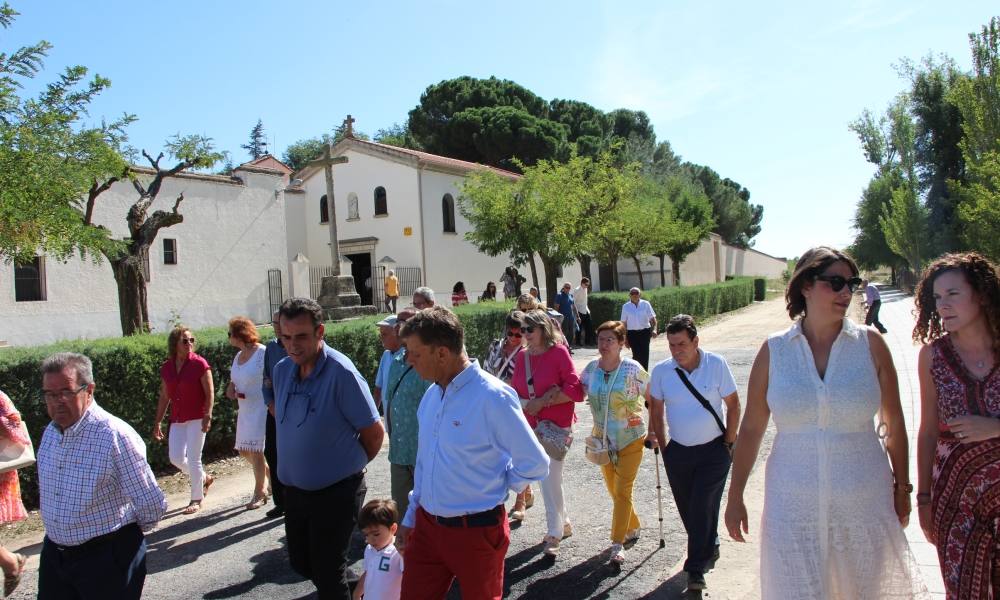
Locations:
(11, 507)
(552, 367)
(187, 396)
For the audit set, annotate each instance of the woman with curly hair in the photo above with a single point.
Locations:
(958, 445)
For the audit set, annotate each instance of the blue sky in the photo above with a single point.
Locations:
(760, 91)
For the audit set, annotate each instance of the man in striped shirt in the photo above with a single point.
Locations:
(98, 494)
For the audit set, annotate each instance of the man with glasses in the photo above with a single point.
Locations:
(98, 494)
(640, 324)
(327, 431)
(423, 297)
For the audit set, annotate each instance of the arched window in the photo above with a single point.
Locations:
(448, 213)
(352, 207)
(324, 210)
(381, 204)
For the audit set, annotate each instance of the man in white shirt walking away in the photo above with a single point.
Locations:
(474, 447)
(98, 494)
(689, 389)
(584, 335)
(640, 326)
(873, 302)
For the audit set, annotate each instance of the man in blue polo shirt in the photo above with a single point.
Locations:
(328, 430)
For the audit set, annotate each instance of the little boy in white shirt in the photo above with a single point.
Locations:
(383, 574)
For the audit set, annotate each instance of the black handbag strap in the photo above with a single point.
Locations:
(694, 391)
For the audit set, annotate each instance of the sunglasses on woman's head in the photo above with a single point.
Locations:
(838, 282)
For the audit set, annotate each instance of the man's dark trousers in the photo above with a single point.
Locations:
(318, 526)
(113, 567)
(697, 475)
(872, 317)
(271, 456)
(638, 340)
(585, 335)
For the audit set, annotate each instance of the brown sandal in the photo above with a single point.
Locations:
(10, 582)
(209, 480)
(192, 508)
(257, 502)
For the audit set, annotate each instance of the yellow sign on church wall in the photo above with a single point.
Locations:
(407, 231)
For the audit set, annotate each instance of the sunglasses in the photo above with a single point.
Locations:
(528, 329)
(187, 340)
(517, 335)
(837, 282)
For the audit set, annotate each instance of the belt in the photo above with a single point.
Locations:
(94, 542)
(487, 518)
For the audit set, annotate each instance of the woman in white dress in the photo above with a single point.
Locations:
(834, 510)
(245, 387)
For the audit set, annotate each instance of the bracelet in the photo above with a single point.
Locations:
(923, 499)
(906, 487)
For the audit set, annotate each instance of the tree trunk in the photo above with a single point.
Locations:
(132, 307)
(638, 269)
(614, 273)
(663, 275)
(551, 285)
(585, 266)
(892, 275)
(675, 265)
(534, 271)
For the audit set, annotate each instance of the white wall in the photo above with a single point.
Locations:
(361, 175)
(231, 235)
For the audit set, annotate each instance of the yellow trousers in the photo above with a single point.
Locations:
(619, 478)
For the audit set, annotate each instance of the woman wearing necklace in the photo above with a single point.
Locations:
(615, 388)
(958, 445)
(547, 383)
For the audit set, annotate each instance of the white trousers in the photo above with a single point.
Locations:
(185, 444)
(552, 495)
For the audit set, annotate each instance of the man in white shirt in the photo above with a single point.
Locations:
(640, 324)
(98, 494)
(873, 302)
(474, 446)
(585, 334)
(697, 458)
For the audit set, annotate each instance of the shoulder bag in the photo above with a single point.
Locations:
(598, 449)
(694, 392)
(15, 456)
(554, 439)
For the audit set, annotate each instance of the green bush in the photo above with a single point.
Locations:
(759, 289)
(697, 300)
(126, 371)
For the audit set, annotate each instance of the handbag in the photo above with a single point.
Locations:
(14, 455)
(598, 449)
(554, 439)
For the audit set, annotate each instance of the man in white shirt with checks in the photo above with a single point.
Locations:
(98, 494)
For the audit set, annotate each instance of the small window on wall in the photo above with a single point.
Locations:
(169, 251)
(324, 210)
(381, 203)
(448, 213)
(352, 207)
(29, 280)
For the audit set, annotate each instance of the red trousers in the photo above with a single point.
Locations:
(435, 555)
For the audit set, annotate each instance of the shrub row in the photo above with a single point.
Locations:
(127, 369)
(697, 301)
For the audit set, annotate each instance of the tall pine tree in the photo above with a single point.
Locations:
(257, 146)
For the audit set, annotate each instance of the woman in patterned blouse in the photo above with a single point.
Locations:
(958, 446)
(615, 387)
(11, 507)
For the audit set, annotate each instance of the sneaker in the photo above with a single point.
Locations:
(696, 580)
(617, 554)
(567, 529)
(551, 547)
(633, 536)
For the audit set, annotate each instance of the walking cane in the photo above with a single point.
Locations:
(659, 493)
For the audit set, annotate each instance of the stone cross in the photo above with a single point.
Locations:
(349, 126)
(327, 161)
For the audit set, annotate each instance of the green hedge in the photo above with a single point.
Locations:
(697, 301)
(127, 374)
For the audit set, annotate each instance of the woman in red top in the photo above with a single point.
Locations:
(186, 386)
(556, 388)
